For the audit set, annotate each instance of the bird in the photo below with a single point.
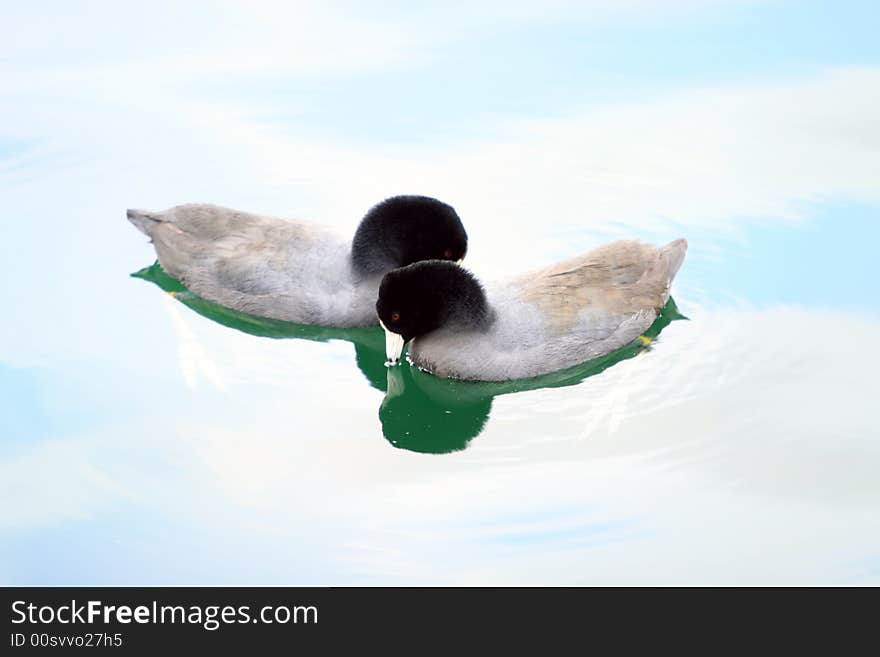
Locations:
(526, 326)
(299, 271)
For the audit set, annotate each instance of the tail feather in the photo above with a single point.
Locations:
(674, 252)
(144, 220)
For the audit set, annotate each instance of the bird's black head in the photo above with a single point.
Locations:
(405, 229)
(425, 296)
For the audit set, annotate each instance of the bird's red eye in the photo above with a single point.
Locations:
(447, 253)
(395, 317)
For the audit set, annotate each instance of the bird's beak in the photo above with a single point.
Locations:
(393, 346)
(459, 261)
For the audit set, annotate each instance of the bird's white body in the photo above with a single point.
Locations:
(559, 316)
(284, 269)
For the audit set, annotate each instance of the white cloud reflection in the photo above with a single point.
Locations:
(745, 452)
(742, 448)
(708, 160)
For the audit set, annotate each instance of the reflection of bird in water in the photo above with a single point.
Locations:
(424, 413)
(369, 343)
(432, 421)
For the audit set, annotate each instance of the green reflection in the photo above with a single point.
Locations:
(424, 413)
(369, 343)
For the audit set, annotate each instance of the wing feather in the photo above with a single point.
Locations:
(619, 279)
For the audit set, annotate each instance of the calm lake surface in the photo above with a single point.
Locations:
(212, 447)
(149, 437)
